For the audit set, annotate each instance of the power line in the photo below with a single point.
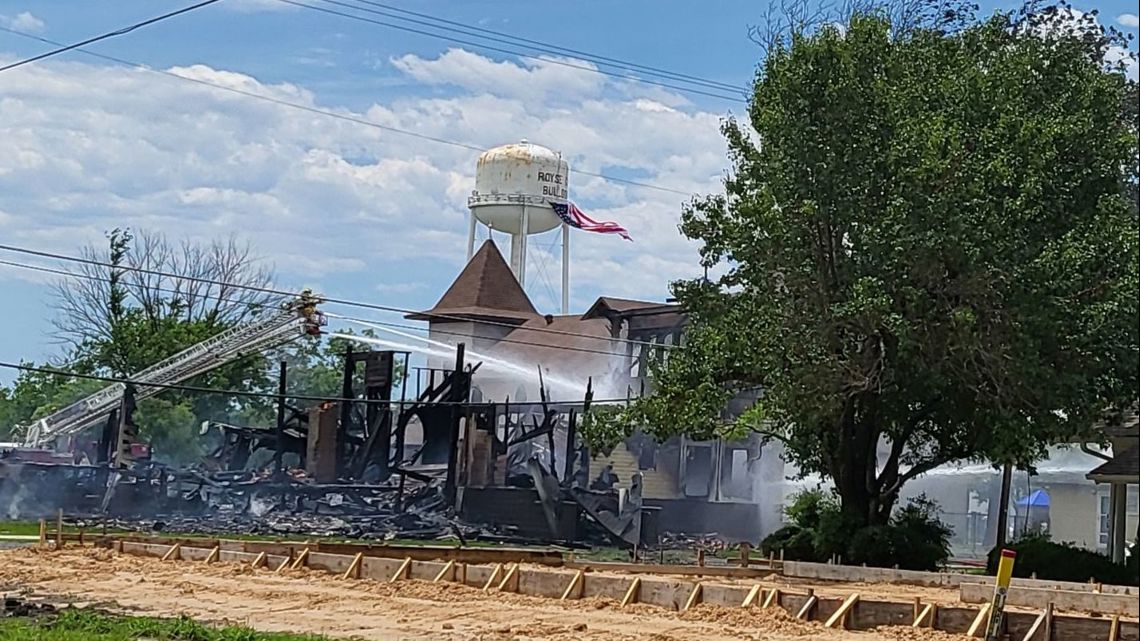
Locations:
(110, 34)
(248, 394)
(441, 24)
(325, 299)
(487, 47)
(555, 49)
(257, 306)
(333, 114)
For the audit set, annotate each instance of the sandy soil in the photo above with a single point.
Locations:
(310, 601)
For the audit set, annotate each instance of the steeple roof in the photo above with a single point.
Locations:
(486, 289)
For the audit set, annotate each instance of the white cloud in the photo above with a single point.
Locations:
(370, 213)
(24, 22)
(1129, 20)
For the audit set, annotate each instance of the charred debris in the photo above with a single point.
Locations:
(365, 466)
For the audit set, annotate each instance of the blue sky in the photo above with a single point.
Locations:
(86, 145)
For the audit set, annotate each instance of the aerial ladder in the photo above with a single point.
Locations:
(293, 320)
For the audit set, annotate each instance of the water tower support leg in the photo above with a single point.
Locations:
(524, 230)
(565, 269)
(471, 236)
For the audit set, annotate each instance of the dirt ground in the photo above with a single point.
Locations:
(311, 601)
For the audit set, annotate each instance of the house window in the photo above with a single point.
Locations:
(1103, 503)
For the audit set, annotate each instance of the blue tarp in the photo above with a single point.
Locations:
(1039, 498)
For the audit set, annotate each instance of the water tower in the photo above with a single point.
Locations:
(514, 185)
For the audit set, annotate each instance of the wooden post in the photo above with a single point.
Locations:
(1114, 628)
(575, 586)
(839, 617)
(43, 532)
(300, 560)
(403, 571)
(80, 537)
(174, 553)
(979, 621)
(809, 605)
(1035, 628)
(701, 557)
(353, 571)
(632, 593)
(917, 607)
(448, 570)
(498, 569)
(694, 596)
(1049, 621)
(921, 616)
(510, 580)
(753, 595)
(214, 554)
(462, 574)
(59, 530)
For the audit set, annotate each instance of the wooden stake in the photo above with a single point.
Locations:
(701, 558)
(632, 593)
(259, 561)
(300, 560)
(174, 553)
(805, 611)
(214, 554)
(1049, 621)
(979, 621)
(511, 580)
(353, 571)
(403, 571)
(927, 611)
(448, 570)
(43, 532)
(694, 596)
(463, 574)
(284, 564)
(917, 608)
(839, 617)
(575, 586)
(773, 598)
(59, 530)
(1038, 623)
(753, 595)
(495, 572)
(1114, 628)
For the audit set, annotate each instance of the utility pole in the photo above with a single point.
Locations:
(278, 455)
(1003, 506)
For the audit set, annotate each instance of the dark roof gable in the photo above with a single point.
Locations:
(486, 289)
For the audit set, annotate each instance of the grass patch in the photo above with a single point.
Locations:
(85, 625)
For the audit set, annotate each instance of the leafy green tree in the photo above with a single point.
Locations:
(929, 247)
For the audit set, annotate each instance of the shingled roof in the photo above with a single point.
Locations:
(486, 289)
(1122, 468)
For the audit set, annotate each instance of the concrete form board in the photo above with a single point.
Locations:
(544, 582)
(726, 595)
(851, 573)
(611, 587)
(1122, 604)
(672, 594)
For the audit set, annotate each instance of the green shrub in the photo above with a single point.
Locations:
(914, 539)
(793, 541)
(1038, 555)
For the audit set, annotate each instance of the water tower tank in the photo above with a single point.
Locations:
(516, 181)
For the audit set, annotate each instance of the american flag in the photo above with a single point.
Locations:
(571, 215)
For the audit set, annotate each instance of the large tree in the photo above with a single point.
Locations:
(928, 248)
